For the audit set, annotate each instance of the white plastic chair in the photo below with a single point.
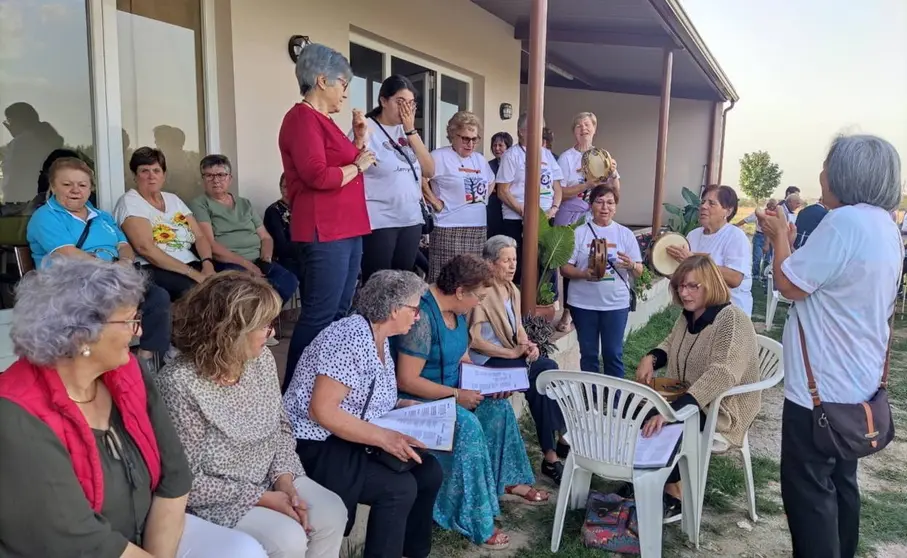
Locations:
(771, 371)
(773, 297)
(603, 442)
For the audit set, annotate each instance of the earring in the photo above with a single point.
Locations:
(86, 351)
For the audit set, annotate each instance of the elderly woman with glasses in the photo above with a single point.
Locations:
(499, 340)
(224, 398)
(326, 193)
(69, 225)
(844, 283)
(460, 189)
(489, 460)
(345, 379)
(393, 186)
(91, 464)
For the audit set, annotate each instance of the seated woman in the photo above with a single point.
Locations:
(497, 339)
(234, 230)
(69, 225)
(223, 393)
(161, 227)
(711, 348)
(91, 464)
(489, 457)
(344, 379)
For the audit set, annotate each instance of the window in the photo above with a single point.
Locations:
(161, 86)
(372, 62)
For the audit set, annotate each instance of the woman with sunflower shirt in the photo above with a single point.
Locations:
(161, 227)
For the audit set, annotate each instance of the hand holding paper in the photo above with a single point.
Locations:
(490, 381)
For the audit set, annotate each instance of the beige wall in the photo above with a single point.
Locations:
(454, 33)
(628, 129)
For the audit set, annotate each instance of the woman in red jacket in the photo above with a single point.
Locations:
(91, 464)
(323, 170)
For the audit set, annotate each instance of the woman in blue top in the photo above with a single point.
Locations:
(68, 225)
(489, 458)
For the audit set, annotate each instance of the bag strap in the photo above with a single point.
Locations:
(368, 398)
(399, 150)
(611, 265)
(84, 236)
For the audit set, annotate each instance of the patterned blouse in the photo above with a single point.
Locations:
(237, 438)
(344, 351)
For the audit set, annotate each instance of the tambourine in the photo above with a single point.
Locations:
(598, 257)
(662, 262)
(669, 388)
(596, 165)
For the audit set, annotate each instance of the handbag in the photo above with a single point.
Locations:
(616, 272)
(375, 453)
(851, 431)
(428, 218)
(611, 524)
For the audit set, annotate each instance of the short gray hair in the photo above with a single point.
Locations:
(493, 246)
(385, 291)
(65, 305)
(864, 169)
(215, 160)
(319, 60)
(522, 122)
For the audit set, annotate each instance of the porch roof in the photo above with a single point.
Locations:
(617, 46)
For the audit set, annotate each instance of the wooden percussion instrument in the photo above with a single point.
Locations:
(598, 257)
(669, 388)
(596, 165)
(662, 262)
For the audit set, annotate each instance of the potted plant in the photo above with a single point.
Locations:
(684, 219)
(556, 244)
(643, 283)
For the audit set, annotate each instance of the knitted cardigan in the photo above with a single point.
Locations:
(715, 358)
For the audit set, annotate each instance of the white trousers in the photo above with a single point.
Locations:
(265, 533)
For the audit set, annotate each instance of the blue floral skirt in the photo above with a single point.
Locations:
(488, 455)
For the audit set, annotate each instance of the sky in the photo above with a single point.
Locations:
(805, 71)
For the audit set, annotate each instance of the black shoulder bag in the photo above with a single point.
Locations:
(84, 236)
(428, 218)
(389, 460)
(616, 272)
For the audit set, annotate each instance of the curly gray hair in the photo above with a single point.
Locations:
(319, 60)
(864, 169)
(65, 305)
(385, 291)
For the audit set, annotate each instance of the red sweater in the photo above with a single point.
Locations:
(41, 392)
(313, 148)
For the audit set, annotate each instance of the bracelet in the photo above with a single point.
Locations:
(555, 206)
(358, 168)
(456, 394)
(208, 260)
(411, 132)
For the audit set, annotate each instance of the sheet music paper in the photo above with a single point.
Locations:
(488, 381)
(657, 452)
(431, 423)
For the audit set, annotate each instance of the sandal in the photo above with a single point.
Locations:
(532, 497)
(499, 541)
(554, 471)
(564, 328)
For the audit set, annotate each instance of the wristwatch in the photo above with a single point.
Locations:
(208, 260)
(412, 132)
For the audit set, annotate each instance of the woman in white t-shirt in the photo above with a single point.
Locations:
(459, 192)
(601, 304)
(728, 245)
(511, 186)
(161, 228)
(843, 283)
(393, 185)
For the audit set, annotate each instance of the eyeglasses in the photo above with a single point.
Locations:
(693, 288)
(402, 101)
(416, 310)
(135, 322)
(467, 139)
(477, 296)
(215, 177)
(344, 83)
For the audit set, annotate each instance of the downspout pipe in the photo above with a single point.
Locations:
(723, 130)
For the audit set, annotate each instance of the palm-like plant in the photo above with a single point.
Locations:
(684, 219)
(556, 244)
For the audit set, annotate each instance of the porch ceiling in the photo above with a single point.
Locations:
(617, 45)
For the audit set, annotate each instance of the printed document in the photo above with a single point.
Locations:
(488, 381)
(431, 423)
(658, 451)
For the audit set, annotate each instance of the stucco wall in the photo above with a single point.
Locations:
(628, 129)
(455, 33)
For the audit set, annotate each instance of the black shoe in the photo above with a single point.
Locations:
(672, 506)
(562, 450)
(626, 491)
(554, 471)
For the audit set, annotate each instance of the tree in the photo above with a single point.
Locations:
(759, 176)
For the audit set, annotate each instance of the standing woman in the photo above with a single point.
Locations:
(323, 171)
(601, 304)
(500, 142)
(575, 189)
(393, 187)
(460, 187)
(844, 284)
(729, 247)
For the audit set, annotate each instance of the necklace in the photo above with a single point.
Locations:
(87, 401)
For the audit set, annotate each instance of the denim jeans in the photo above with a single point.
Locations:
(605, 327)
(282, 279)
(758, 256)
(331, 270)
